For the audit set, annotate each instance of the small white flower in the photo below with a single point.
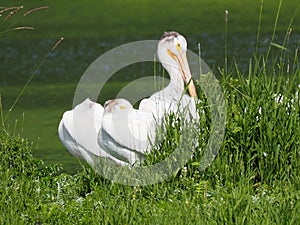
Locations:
(260, 110)
(278, 98)
(79, 200)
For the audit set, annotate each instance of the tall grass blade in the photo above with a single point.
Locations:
(226, 42)
(274, 28)
(30, 79)
(259, 25)
(281, 47)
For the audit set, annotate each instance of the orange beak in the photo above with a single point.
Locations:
(185, 71)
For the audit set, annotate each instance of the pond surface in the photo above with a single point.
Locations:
(72, 57)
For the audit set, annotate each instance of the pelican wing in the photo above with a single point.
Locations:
(78, 130)
(127, 130)
(117, 150)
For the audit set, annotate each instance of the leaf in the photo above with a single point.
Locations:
(279, 46)
(195, 163)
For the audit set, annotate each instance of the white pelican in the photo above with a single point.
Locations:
(120, 133)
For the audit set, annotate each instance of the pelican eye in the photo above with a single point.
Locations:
(178, 46)
(122, 107)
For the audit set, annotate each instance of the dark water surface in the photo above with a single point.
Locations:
(69, 61)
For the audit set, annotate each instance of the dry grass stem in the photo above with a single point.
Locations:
(23, 28)
(35, 10)
(5, 9)
(13, 12)
(57, 43)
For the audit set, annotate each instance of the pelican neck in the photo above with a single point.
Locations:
(176, 80)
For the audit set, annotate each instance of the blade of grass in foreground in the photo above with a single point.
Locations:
(4, 118)
(259, 25)
(275, 28)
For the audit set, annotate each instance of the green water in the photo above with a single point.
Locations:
(94, 27)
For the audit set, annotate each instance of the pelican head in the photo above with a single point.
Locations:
(116, 104)
(171, 52)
